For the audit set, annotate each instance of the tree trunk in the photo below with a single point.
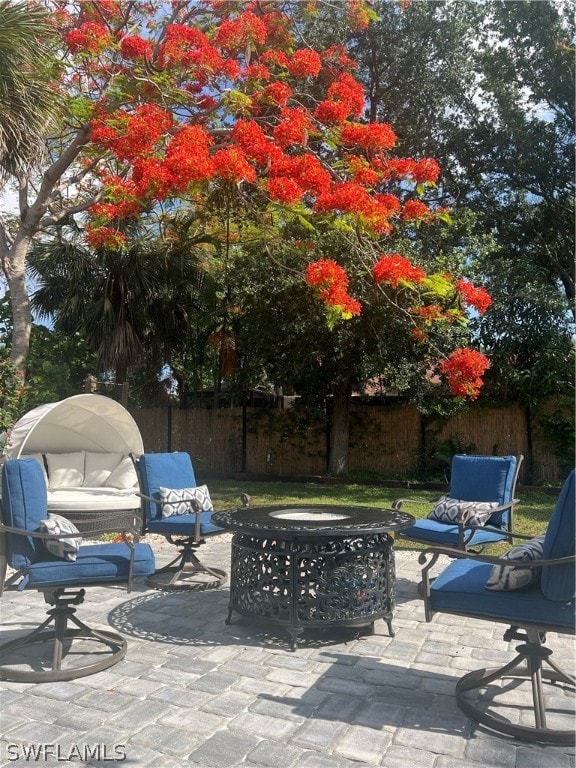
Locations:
(15, 271)
(31, 221)
(340, 428)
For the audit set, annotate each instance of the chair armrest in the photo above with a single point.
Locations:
(397, 503)
(104, 528)
(244, 497)
(458, 554)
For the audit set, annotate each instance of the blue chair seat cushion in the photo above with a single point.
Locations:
(460, 589)
(184, 525)
(94, 563)
(433, 532)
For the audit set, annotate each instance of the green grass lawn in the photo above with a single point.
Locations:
(531, 513)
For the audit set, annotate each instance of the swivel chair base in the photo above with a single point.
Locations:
(16, 654)
(527, 665)
(186, 572)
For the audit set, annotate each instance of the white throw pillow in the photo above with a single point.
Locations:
(123, 476)
(450, 511)
(509, 577)
(65, 549)
(180, 500)
(98, 467)
(65, 470)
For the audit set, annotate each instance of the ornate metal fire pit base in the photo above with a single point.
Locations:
(313, 567)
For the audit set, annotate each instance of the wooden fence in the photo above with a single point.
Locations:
(394, 441)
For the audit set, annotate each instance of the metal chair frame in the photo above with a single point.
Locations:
(466, 532)
(186, 571)
(533, 660)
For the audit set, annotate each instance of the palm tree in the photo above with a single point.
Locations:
(28, 103)
(128, 304)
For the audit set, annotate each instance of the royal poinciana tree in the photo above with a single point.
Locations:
(167, 102)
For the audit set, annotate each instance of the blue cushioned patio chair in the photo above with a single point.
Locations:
(473, 479)
(23, 547)
(545, 605)
(185, 522)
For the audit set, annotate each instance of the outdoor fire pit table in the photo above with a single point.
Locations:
(313, 566)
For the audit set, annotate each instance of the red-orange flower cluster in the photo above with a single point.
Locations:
(414, 210)
(236, 34)
(135, 47)
(345, 99)
(474, 296)
(305, 63)
(331, 282)
(131, 135)
(371, 137)
(464, 370)
(293, 127)
(105, 237)
(91, 37)
(189, 48)
(394, 269)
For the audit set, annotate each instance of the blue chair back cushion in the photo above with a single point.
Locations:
(558, 582)
(95, 563)
(24, 505)
(484, 478)
(169, 470)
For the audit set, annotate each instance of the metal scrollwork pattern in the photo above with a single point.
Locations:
(262, 578)
(349, 585)
(314, 582)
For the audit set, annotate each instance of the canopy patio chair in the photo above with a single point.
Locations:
(87, 440)
(532, 590)
(479, 508)
(174, 506)
(46, 554)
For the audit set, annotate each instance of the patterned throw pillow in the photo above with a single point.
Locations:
(180, 499)
(509, 577)
(450, 511)
(65, 549)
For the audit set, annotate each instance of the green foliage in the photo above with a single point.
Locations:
(29, 104)
(558, 427)
(12, 390)
(56, 368)
(445, 450)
